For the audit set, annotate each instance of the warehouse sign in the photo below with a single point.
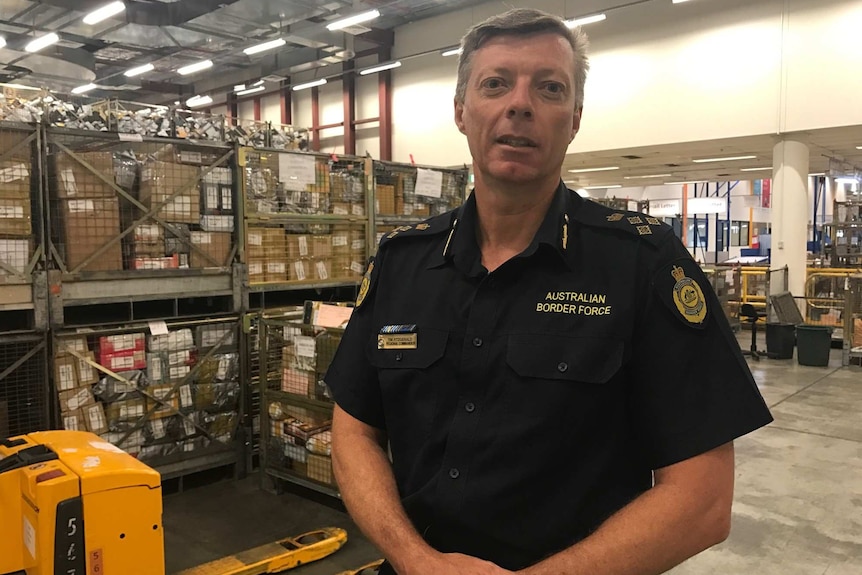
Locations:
(665, 208)
(706, 206)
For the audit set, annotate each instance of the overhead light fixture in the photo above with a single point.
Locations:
(259, 83)
(42, 42)
(574, 23)
(84, 88)
(196, 101)
(239, 88)
(451, 52)
(725, 159)
(755, 169)
(647, 176)
(585, 170)
(817, 174)
(196, 67)
(104, 12)
(602, 187)
(313, 84)
(846, 180)
(859, 147)
(251, 91)
(679, 1)
(351, 20)
(139, 70)
(2, 41)
(277, 43)
(19, 87)
(380, 68)
(679, 183)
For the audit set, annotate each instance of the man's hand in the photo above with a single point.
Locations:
(454, 564)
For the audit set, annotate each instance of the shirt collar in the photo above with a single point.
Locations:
(554, 232)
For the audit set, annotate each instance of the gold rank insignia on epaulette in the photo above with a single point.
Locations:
(398, 230)
(615, 217)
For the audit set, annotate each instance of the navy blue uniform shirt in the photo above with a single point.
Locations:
(525, 406)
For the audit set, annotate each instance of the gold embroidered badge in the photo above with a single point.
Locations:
(422, 227)
(688, 297)
(365, 285)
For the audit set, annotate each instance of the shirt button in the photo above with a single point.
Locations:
(454, 473)
(470, 407)
(562, 367)
(477, 341)
(399, 356)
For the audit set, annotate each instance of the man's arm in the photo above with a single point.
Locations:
(687, 511)
(368, 489)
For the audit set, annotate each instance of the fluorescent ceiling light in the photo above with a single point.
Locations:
(84, 88)
(259, 83)
(679, 183)
(196, 101)
(239, 88)
(679, 1)
(139, 70)
(197, 67)
(251, 91)
(380, 68)
(19, 87)
(2, 41)
(451, 52)
(584, 170)
(351, 20)
(859, 147)
(313, 84)
(104, 12)
(817, 174)
(846, 180)
(585, 20)
(601, 187)
(755, 169)
(42, 42)
(277, 43)
(649, 176)
(725, 159)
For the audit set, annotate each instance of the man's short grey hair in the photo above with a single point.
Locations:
(523, 22)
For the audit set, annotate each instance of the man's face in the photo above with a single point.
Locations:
(519, 108)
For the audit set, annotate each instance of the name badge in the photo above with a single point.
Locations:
(397, 341)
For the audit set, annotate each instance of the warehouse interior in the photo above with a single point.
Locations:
(190, 192)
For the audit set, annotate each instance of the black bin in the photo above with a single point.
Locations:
(813, 343)
(780, 339)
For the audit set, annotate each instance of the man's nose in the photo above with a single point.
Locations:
(520, 101)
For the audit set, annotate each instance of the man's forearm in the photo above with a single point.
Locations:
(660, 529)
(368, 489)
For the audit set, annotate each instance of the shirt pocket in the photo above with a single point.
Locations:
(590, 360)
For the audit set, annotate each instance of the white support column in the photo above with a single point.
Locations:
(790, 212)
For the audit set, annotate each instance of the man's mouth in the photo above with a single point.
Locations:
(516, 142)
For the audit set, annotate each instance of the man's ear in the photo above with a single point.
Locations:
(576, 122)
(459, 115)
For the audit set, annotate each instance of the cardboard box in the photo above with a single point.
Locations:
(161, 180)
(298, 270)
(298, 246)
(15, 178)
(298, 381)
(172, 341)
(178, 372)
(340, 242)
(182, 357)
(94, 417)
(124, 360)
(144, 250)
(122, 342)
(157, 367)
(385, 199)
(216, 198)
(321, 269)
(211, 223)
(340, 208)
(125, 410)
(347, 266)
(65, 372)
(321, 246)
(157, 263)
(357, 209)
(256, 270)
(89, 224)
(421, 210)
(74, 420)
(265, 242)
(275, 271)
(164, 408)
(320, 468)
(75, 399)
(15, 254)
(77, 343)
(87, 374)
(149, 241)
(74, 180)
(217, 245)
(15, 216)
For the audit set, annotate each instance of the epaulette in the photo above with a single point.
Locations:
(427, 228)
(647, 228)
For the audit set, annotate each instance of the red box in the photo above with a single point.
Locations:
(122, 342)
(124, 360)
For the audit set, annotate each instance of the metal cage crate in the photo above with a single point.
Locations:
(24, 390)
(173, 399)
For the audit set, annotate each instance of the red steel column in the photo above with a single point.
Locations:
(348, 83)
(315, 119)
(384, 89)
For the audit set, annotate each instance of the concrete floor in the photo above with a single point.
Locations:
(797, 511)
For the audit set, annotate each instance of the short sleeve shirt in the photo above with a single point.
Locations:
(525, 406)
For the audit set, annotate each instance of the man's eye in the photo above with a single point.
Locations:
(493, 83)
(554, 88)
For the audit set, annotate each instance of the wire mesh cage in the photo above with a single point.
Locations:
(201, 126)
(166, 398)
(726, 282)
(20, 203)
(24, 105)
(825, 296)
(139, 205)
(125, 117)
(853, 321)
(416, 192)
(287, 137)
(24, 391)
(297, 407)
(254, 133)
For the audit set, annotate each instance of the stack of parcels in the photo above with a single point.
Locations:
(90, 210)
(73, 379)
(305, 360)
(289, 138)
(252, 134)
(266, 254)
(24, 106)
(152, 122)
(301, 441)
(75, 116)
(348, 251)
(261, 183)
(123, 352)
(16, 245)
(199, 126)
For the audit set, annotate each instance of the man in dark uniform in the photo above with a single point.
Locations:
(555, 380)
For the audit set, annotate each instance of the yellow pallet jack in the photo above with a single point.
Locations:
(73, 504)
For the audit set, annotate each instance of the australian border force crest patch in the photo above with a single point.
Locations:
(679, 286)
